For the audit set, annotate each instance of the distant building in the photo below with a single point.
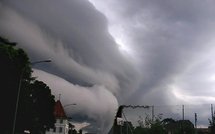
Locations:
(62, 124)
(203, 131)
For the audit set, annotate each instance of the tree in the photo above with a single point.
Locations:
(165, 126)
(80, 131)
(179, 126)
(36, 109)
(141, 130)
(150, 126)
(72, 129)
(12, 61)
(212, 123)
(156, 126)
(169, 125)
(185, 126)
(36, 104)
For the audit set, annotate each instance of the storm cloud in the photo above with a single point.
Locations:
(107, 53)
(86, 66)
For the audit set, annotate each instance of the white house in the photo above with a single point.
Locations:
(62, 124)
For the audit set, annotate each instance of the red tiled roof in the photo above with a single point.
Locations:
(58, 110)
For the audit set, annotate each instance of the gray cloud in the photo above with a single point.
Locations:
(135, 52)
(173, 43)
(169, 38)
(87, 67)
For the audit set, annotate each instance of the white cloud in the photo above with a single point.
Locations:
(95, 102)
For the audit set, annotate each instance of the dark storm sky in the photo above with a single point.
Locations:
(106, 53)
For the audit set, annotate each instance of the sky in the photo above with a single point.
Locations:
(108, 53)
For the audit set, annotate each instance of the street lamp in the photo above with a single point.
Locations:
(37, 62)
(19, 88)
(69, 105)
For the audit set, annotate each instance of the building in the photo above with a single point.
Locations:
(62, 123)
(203, 131)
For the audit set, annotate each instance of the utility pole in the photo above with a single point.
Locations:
(182, 119)
(195, 120)
(183, 112)
(195, 123)
(212, 114)
(153, 113)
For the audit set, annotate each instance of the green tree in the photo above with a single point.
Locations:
(12, 61)
(36, 109)
(36, 103)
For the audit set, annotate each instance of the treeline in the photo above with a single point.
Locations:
(155, 126)
(161, 126)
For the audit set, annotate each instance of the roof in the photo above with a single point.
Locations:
(58, 110)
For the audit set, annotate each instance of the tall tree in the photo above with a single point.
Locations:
(36, 109)
(36, 103)
(12, 61)
(212, 123)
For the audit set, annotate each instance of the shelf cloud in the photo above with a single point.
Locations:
(108, 53)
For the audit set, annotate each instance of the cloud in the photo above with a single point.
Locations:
(168, 37)
(135, 52)
(84, 56)
(172, 41)
(94, 102)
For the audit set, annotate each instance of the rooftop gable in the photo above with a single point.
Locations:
(59, 111)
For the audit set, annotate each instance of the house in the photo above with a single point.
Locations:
(62, 123)
(203, 130)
